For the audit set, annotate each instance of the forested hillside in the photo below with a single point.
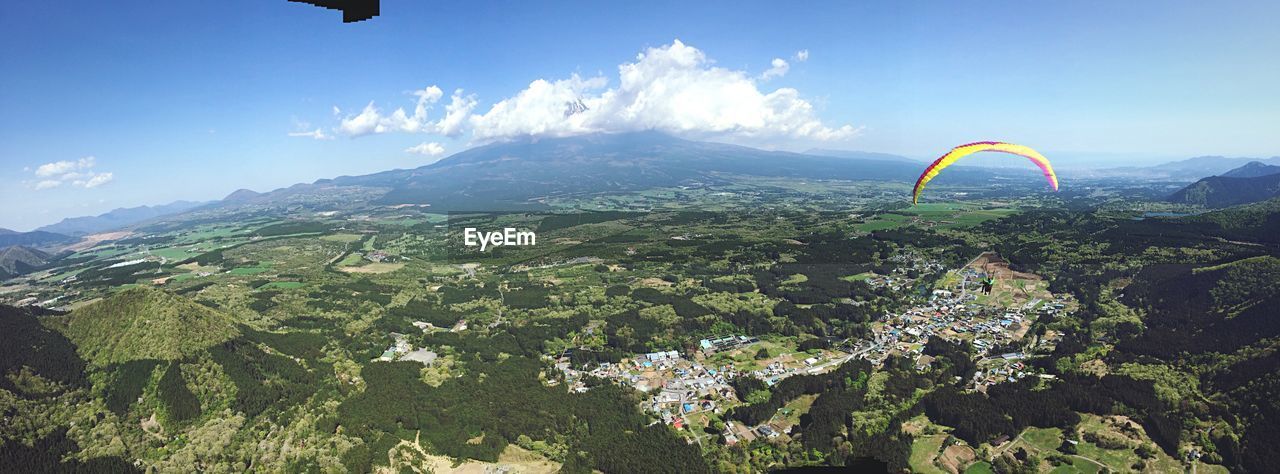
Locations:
(141, 323)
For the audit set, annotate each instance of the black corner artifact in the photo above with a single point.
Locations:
(352, 10)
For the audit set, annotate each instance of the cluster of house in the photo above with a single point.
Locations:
(913, 261)
(890, 282)
(735, 432)
(998, 369)
(676, 386)
(378, 256)
(725, 343)
(898, 279)
(33, 299)
(947, 315)
(401, 349)
(955, 315)
(541, 264)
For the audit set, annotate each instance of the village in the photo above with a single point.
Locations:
(693, 392)
(994, 320)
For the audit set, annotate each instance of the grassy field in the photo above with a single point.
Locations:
(210, 233)
(351, 260)
(944, 215)
(795, 279)
(174, 253)
(923, 451)
(344, 238)
(1045, 439)
(1202, 468)
(980, 467)
(859, 277)
(1077, 465)
(249, 270)
(884, 222)
(1115, 458)
(283, 285)
(791, 411)
(374, 268)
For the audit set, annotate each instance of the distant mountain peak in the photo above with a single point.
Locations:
(521, 173)
(1252, 169)
(241, 195)
(575, 107)
(1224, 191)
(19, 259)
(35, 238)
(117, 218)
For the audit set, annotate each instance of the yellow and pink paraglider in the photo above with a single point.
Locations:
(971, 148)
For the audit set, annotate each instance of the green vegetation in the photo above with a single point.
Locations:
(141, 323)
(268, 330)
(127, 382)
(180, 404)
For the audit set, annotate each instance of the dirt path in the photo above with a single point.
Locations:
(1041, 452)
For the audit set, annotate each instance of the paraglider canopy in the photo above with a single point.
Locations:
(970, 148)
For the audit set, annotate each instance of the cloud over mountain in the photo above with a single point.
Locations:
(426, 149)
(372, 120)
(673, 88)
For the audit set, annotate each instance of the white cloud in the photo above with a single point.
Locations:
(316, 134)
(364, 123)
(540, 109)
(427, 149)
(63, 167)
(371, 120)
(778, 68)
(95, 180)
(76, 173)
(456, 113)
(673, 88)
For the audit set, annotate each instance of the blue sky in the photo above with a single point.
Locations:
(192, 100)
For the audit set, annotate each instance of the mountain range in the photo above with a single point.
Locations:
(521, 174)
(36, 238)
(1253, 169)
(524, 173)
(116, 219)
(1189, 169)
(1253, 182)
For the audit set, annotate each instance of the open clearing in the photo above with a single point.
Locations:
(923, 451)
(90, 240)
(373, 268)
